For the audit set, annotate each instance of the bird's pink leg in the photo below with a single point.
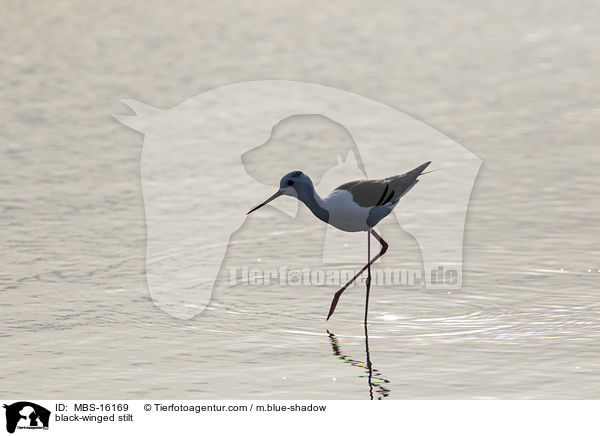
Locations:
(368, 282)
(338, 294)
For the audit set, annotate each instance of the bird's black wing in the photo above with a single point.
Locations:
(369, 193)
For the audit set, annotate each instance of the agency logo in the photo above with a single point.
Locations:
(206, 162)
(26, 415)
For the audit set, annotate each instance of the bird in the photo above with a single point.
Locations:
(356, 206)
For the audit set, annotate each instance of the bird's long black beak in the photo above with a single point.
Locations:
(271, 198)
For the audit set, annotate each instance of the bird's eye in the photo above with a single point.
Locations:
(290, 182)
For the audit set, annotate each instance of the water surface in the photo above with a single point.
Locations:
(516, 84)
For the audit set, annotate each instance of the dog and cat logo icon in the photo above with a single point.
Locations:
(26, 415)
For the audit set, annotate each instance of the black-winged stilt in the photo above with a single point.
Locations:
(356, 206)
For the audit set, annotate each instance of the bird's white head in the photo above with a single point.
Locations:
(294, 184)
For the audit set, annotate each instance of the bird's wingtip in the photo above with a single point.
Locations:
(422, 167)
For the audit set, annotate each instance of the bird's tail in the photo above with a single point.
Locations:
(419, 170)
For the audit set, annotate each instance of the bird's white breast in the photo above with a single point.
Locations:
(344, 213)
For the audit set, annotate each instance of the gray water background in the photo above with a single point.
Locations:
(514, 82)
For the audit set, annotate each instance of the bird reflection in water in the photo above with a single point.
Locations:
(377, 383)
